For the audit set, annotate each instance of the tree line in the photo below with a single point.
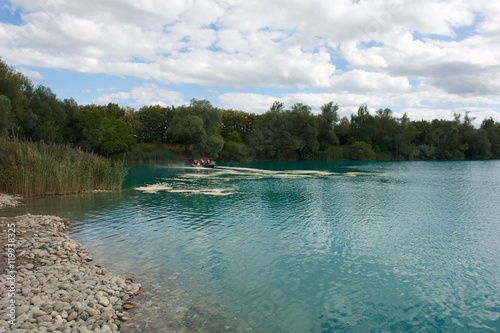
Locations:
(296, 133)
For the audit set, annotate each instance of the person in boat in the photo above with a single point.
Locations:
(204, 163)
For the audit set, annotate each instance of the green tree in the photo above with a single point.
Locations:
(342, 130)
(302, 126)
(71, 109)
(150, 123)
(326, 122)
(477, 145)
(388, 129)
(212, 117)
(210, 146)
(404, 140)
(237, 121)
(51, 119)
(493, 131)
(364, 126)
(186, 129)
(18, 89)
(117, 136)
(97, 129)
(360, 151)
(6, 117)
(422, 128)
(234, 151)
(444, 141)
(270, 138)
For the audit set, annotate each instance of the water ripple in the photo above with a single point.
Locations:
(387, 247)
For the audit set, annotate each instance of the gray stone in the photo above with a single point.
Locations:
(72, 316)
(102, 300)
(91, 312)
(107, 315)
(84, 315)
(22, 318)
(36, 300)
(128, 306)
(106, 328)
(39, 313)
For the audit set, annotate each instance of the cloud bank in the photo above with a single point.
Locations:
(406, 55)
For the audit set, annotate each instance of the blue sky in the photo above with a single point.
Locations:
(429, 59)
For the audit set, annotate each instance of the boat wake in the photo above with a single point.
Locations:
(222, 181)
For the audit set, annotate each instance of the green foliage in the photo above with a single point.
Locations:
(493, 131)
(271, 138)
(443, 138)
(237, 122)
(210, 146)
(97, 129)
(198, 125)
(364, 126)
(186, 129)
(18, 89)
(50, 116)
(31, 169)
(388, 128)
(303, 128)
(6, 117)
(36, 114)
(361, 151)
(234, 151)
(234, 137)
(326, 122)
(150, 123)
(342, 130)
(477, 145)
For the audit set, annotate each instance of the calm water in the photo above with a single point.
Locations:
(302, 247)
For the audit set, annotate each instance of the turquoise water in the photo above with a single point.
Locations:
(302, 247)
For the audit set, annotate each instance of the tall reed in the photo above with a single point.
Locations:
(30, 169)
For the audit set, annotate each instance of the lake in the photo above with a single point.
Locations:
(300, 246)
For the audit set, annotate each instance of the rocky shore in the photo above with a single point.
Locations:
(53, 283)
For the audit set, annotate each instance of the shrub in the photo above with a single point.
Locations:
(361, 151)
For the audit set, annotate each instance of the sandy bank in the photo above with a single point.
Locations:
(53, 283)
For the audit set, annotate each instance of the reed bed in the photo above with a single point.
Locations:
(31, 169)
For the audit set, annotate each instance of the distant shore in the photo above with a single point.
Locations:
(50, 282)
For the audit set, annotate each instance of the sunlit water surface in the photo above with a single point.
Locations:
(301, 247)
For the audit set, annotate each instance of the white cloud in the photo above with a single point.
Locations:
(254, 103)
(34, 76)
(427, 113)
(364, 81)
(289, 44)
(143, 95)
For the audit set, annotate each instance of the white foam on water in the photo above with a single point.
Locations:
(154, 188)
(213, 191)
(210, 182)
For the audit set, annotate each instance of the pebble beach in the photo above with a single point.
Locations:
(49, 282)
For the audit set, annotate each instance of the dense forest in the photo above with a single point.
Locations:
(295, 133)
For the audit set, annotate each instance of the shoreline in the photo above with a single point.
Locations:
(49, 282)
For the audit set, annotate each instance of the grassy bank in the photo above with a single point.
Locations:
(31, 169)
